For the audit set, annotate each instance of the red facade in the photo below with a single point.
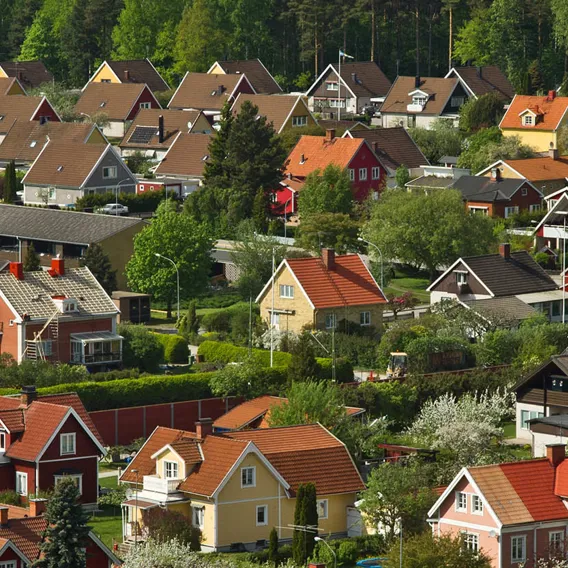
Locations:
(145, 97)
(364, 159)
(157, 185)
(523, 202)
(46, 111)
(9, 555)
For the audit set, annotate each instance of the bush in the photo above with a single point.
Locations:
(9, 498)
(216, 321)
(248, 379)
(422, 350)
(136, 203)
(140, 347)
(174, 346)
(114, 375)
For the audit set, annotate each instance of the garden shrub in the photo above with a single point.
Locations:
(175, 348)
(140, 347)
(8, 497)
(216, 321)
(136, 203)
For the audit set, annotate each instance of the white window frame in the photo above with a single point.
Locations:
(332, 85)
(524, 191)
(476, 505)
(174, 469)
(363, 172)
(419, 100)
(198, 516)
(65, 447)
(21, 483)
(265, 509)
(275, 320)
(323, 504)
(375, 172)
(330, 321)
(510, 211)
(299, 121)
(365, 318)
(457, 101)
(108, 172)
(287, 291)
(461, 277)
(8, 564)
(514, 545)
(351, 174)
(528, 120)
(458, 502)
(145, 105)
(471, 540)
(57, 479)
(244, 471)
(532, 414)
(556, 545)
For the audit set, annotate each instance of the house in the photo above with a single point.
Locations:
(185, 161)
(313, 153)
(139, 71)
(65, 171)
(498, 197)
(479, 81)
(503, 275)
(436, 177)
(25, 140)
(153, 131)
(361, 85)
(236, 486)
(535, 120)
(46, 439)
(514, 512)
(255, 413)
(118, 103)
(24, 109)
(394, 147)
(58, 315)
(283, 111)
(321, 292)
(260, 78)
(11, 86)
(550, 232)
(30, 74)
(163, 184)
(419, 101)
(134, 307)
(209, 93)
(342, 125)
(66, 234)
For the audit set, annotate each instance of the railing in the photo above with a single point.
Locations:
(159, 485)
(89, 359)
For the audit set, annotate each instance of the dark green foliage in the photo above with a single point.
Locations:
(402, 176)
(290, 136)
(175, 347)
(216, 321)
(189, 323)
(328, 230)
(136, 202)
(311, 516)
(10, 183)
(138, 163)
(484, 112)
(329, 191)
(273, 546)
(426, 354)
(8, 497)
(98, 262)
(303, 364)
(39, 373)
(298, 536)
(440, 140)
(260, 211)
(32, 261)
(140, 348)
(165, 525)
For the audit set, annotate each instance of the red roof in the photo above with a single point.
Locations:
(25, 534)
(548, 112)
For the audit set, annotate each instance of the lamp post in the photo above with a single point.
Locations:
(116, 194)
(136, 510)
(177, 274)
(320, 539)
(361, 239)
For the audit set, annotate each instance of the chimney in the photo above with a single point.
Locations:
(161, 129)
(37, 507)
(553, 154)
(17, 269)
(551, 96)
(220, 89)
(479, 72)
(495, 174)
(27, 395)
(505, 250)
(329, 134)
(354, 77)
(375, 146)
(555, 453)
(302, 159)
(58, 266)
(328, 257)
(4, 516)
(126, 76)
(417, 82)
(204, 427)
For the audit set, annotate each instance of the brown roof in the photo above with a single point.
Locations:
(488, 79)
(187, 450)
(31, 74)
(549, 112)
(276, 108)
(260, 79)
(393, 146)
(116, 100)
(6, 84)
(205, 92)
(186, 156)
(365, 79)
(17, 107)
(139, 71)
(439, 90)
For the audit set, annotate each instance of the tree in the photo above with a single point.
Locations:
(64, 539)
(41, 43)
(98, 262)
(31, 262)
(442, 139)
(328, 230)
(22, 16)
(141, 348)
(273, 546)
(260, 211)
(472, 42)
(406, 301)
(298, 536)
(179, 238)
(329, 191)
(429, 230)
(311, 517)
(189, 323)
(10, 182)
(62, 100)
(402, 176)
(166, 525)
(483, 112)
(303, 364)
(170, 554)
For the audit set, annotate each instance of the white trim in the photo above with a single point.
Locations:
(216, 521)
(371, 275)
(523, 538)
(503, 163)
(326, 501)
(457, 506)
(463, 83)
(527, 111)
(243, 76)
(523, 181)
(535, 525)
(95, 74)
(57, 479)
(17, 551)
(24, 475)
(450, 269)
(555, 193)
(105, 548)
(562, 200)
(265, 507)
(298, 100)
(507, 112)
(120, 165)
(248, 468)
(144, 86)
(175, 468)
(66, 435)
(159, 75)
(247, 500)
(465, 525)
(178, 88)
(34, 162)
(139, 453)
(167, 152)
(473, 511)
(322, 75)
(99, 160)
(163, 449)
(44, 98)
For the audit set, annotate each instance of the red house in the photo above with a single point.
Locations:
(313, 153)
(46, 439)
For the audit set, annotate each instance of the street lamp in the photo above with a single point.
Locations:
(116, 193)
(361, 239)
(177, 273)
(136, 510)
(320, 539)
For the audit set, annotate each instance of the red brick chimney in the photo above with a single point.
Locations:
(58, 266)
(27, 395)
(37, 507)
(17, 269)
(329, 134)
(505, 250)
(555, 453)
(551, 96)
(204, 427)
(4, 516)
(328, 257)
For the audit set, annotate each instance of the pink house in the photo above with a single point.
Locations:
(516, 513)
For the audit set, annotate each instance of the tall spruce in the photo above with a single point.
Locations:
(303, 364)
(311, 516)
(31, 262)
(273, 546)
(299, 536)
(10, 183)
(98, 262)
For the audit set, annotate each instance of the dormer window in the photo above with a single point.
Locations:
(419, 100)
(65, 305)
(67, 443)
(528, 120)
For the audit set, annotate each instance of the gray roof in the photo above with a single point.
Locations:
(479, 188)
(431, 181)
(507, 307)
(559, 420)
(60, 226)
(33, 295)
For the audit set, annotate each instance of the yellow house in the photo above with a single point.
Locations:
(130, 71)
(319, 293)
(536, 120)
(11, 86)
(237, 486)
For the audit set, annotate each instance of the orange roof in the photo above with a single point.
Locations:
(25, 534)
(549, 112)
(540, 169)
(317, 152)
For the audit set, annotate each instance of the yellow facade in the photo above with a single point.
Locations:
(538, 140)
(16, 89)
(172, 457)
(506, 172)
(217, 70)
(299, 110)
(105, 75)
(96, 137)
(3, 73)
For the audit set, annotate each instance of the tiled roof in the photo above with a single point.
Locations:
(276, 109)
(13, 419)
(186, 156)
(318, 153)
(485, 189)
(540, 169)
(61, 226)
(33, 295)
(509, 307)
(202, 91)
(113, 99)
(139, 71)
(487, 79)
(187, 449)
(438, 89)
(365, 79)
(26, 534)
(17, 107)
(31, 74)
(259, 77)
(348, 284)
(393, 146)
(549, 112)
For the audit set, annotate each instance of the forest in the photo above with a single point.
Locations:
(295, 39)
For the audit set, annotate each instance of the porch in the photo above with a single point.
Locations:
(96, 348)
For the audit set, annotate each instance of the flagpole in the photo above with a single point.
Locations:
(339, 91)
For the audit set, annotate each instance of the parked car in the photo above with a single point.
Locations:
(115, 209)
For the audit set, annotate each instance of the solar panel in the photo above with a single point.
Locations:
(142, 135)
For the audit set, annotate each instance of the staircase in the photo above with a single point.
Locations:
(124, 548)
(31, 350)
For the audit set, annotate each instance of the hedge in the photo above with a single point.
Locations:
(175, 347)
(136, 203)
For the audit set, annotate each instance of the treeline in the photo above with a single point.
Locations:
(294, 38)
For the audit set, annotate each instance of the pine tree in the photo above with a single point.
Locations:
(98, 262)
(311, 516)
(32, 262)
(303, 364)
(299, 537)
(260, 211)
(273, 546)
(64, 539)
(10, 183)
(189, 324)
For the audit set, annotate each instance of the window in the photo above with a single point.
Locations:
(261, 515)
(332, 86)
(555, 542)
(33, 143)
(362, 174)
(109, 172)
(527, 415)
(275, 320)
(524, 192)
(476, 505)
(510, 211)
(461, 501)
(419, 100)
(45, 347)
(518, 548)
(535, 207)
(21, 483)
(197, 516)
(471, 541)
(351, 174)
(170, 470)
(145, 105)
(457, 102)
(105, 81)
(248, 477)
(8, 564)
(365, 318)
(376, 173)
(461, 278)
(286, 291)
(556, 308)
(299, 120)
(322, 508)
(330, 321)
(67, 443)
(411, 121)
(528, 120)
(2, 441)
(77, 480)
(475, 210)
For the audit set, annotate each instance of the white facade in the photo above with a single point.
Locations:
(521, 410)
(391, 120)
(114, 129)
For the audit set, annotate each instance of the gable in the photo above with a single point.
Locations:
(285, 276)
(167, 454)
(448, 282)
(95, 177)
(105, 74)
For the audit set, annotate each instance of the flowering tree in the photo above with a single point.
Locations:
(406, 301)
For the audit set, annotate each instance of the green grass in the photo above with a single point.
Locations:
(109, 482)
(107, 525)
(510, 429)
(405, 281)
(112, 466)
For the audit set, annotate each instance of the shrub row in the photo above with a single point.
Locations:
(136, 203)
(175, 347)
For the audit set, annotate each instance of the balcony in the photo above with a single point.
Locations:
(155, 484)
(96, 348)
(415, 107)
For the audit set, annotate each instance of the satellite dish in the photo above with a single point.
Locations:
(189, 125)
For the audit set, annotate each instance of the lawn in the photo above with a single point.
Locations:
(406, 281)
(109, 482)
(112, 466)
(510, 430)
(107, 525)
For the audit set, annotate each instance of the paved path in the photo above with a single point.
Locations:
(109, 473)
